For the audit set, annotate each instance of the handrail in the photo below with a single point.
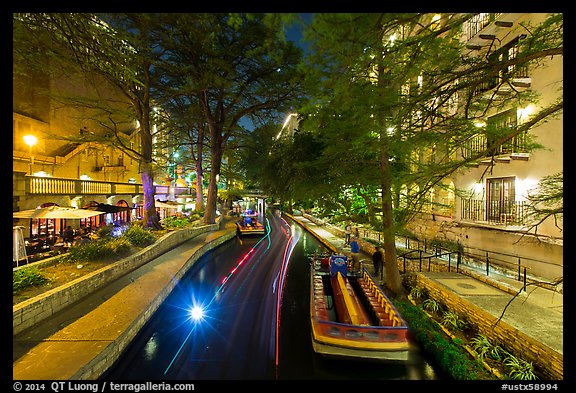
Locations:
(65, 186)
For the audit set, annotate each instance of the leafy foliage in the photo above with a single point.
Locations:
(547, 199)
(27, 277)
(98, 249)
(176, 222)
(519, 368)
(452, 321)
(484, 348)
(139, 236)
(450, 356)
(431, 305)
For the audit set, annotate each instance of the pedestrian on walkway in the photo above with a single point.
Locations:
(347, 233)
(355, 251)
(377, 259)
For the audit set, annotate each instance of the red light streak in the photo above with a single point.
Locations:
(244, 258)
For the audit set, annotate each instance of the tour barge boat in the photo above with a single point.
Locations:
(351, 317)
(249, 224)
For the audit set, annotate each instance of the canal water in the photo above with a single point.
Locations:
(151, 350)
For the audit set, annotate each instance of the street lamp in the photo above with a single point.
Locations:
(30, 140)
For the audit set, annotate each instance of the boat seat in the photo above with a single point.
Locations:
(381, 312)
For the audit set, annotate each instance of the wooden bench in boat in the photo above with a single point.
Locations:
(348, 307)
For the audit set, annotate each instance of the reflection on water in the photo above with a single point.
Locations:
(163, 344)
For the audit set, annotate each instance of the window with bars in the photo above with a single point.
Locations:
(497, 129)
(504, 55)
(478, 22)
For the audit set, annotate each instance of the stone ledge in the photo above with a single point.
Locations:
(549, 360)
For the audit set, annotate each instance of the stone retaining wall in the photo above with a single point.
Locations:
(542, 256)
(544, 358)
(36, 309)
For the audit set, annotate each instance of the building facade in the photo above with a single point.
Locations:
(59, 157)
(484, 206)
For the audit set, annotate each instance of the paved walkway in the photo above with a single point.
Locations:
(71, 350)
(85, 339)
(538, 312)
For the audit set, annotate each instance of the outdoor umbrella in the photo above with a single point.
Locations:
(106, 208)
(56, 212)
(166, 205)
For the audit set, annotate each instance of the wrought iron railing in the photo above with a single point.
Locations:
(478, 22)
(493, 212)
(479, 143)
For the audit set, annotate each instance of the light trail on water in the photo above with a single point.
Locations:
(203, 309)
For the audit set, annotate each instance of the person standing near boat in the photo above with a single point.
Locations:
(377, 259)
(347, 233)
(355, 251)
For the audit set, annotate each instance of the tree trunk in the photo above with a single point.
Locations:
(199, 179)
(150, 215)
(392, 276)
(216, 162)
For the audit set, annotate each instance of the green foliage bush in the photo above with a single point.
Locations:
(484, 348)
(196, 216)
(139, 236)
(417, 293)
(431, 305)
(105, 231)
(176, 222)
(120, 246)
(519, 368)
(450, 357)
(444, 244)
(451, 320)
(27, 277)
(99, 249)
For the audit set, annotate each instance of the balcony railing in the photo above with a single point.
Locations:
(493, 212)
(478, 22)
(479, 143)
(39, 185)
(61, 186)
